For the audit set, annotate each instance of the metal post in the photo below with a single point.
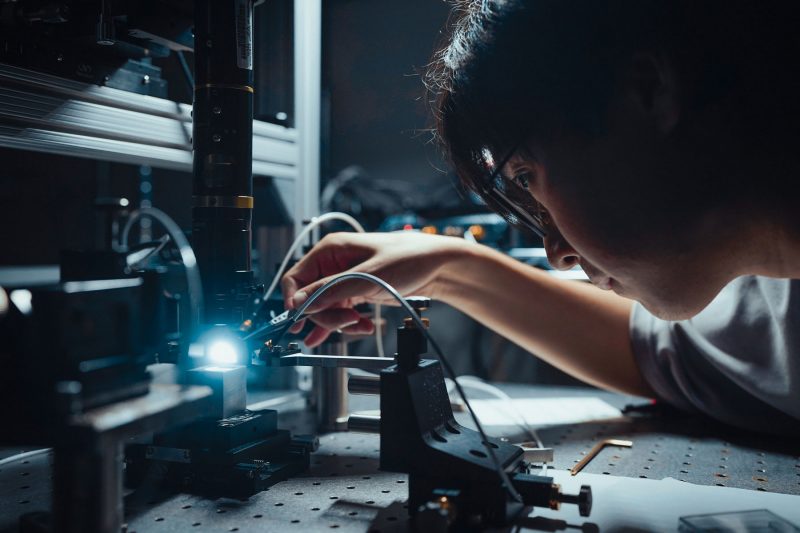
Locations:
(364, 385)
(87, 487)
(364, 424)
(307, 101)
(330, 388)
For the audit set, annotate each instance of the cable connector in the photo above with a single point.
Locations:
(274, 330)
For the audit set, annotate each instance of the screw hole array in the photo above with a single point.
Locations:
(345, 468)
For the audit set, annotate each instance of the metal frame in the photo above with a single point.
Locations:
(45, 113)
(307, 83)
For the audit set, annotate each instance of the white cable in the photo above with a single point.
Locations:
(184, 248)
(477, 383)
(315, 222)
(23, 455)
(301, 237)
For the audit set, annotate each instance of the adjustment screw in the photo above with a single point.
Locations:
(585, 500)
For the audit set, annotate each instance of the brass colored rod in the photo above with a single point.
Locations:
(597, 448)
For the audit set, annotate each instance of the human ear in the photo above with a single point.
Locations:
(653, 87)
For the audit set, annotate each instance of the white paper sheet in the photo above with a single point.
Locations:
(542, 411)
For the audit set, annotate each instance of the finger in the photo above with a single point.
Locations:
(298, 326)
(364, 326)
(342, 291)
(288, 289)
(316, 337)
(336, 318)
(333, 254)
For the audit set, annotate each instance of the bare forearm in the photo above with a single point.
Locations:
(575, 326)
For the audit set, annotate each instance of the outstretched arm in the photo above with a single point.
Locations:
(573, 326)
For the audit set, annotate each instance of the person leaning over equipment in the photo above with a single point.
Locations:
(654, 144)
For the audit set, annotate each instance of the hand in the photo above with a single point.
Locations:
(408, 261)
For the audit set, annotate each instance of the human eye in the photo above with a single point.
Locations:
(522, 179)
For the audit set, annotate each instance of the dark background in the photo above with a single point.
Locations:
(373, 55)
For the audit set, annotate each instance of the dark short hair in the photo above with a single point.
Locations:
(511, 70)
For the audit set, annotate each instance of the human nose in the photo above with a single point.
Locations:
(560, 254)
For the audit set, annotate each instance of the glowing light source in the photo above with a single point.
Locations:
(219, 346)
(222, 352)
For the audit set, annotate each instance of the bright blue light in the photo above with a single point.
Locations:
(222, 352)
(219, 346)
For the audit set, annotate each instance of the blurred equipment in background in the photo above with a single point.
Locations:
(102, 42)
(485, 228)
(75, 355)
(78, 79)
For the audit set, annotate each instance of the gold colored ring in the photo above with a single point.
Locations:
(225, 86)
(240, 202)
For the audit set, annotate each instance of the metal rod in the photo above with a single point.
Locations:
(597, 449)
(334, 361)
(330, 389)
(364, 424)
(364, 385)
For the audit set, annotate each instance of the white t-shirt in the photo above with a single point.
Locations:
(738, 360)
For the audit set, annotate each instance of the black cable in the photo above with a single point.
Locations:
(445, 363)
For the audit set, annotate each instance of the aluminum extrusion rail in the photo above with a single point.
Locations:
(44, 113)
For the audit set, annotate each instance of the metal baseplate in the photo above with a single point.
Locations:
(233, 457)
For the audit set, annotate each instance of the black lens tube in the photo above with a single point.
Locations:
(222, 136)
